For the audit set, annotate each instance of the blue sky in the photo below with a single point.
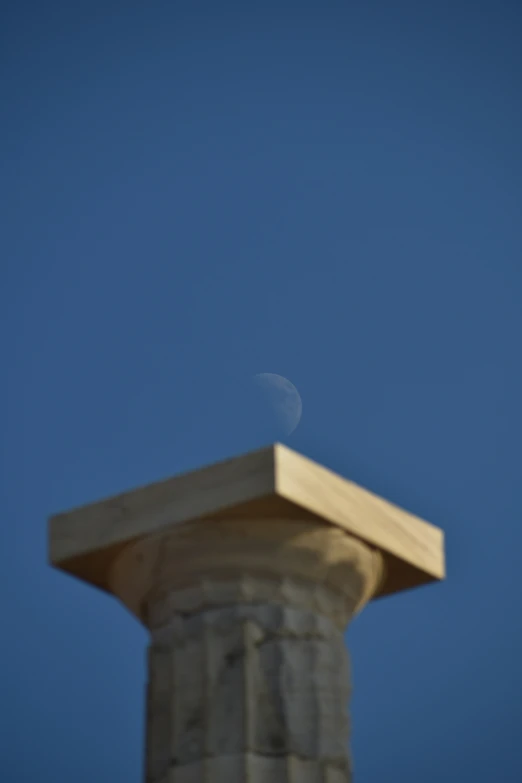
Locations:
(195, 192)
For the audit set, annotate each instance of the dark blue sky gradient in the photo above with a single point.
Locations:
(194, 192)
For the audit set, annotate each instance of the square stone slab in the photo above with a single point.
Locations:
(274, 482)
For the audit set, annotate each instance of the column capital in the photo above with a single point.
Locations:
(271, 484)
(207, 564)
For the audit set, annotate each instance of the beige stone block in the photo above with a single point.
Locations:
(273, 483)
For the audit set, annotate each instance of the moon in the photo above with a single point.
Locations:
(283, 398)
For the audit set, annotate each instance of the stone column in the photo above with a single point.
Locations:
(246, 573)
(248, 670)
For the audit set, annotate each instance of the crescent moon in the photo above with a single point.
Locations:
(283, 398)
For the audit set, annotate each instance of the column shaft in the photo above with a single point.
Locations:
(250, 692)
(248, 670)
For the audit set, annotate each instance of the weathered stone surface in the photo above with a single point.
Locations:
(262, 688)
(242, 561)
(249, 768)
(248, 670)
